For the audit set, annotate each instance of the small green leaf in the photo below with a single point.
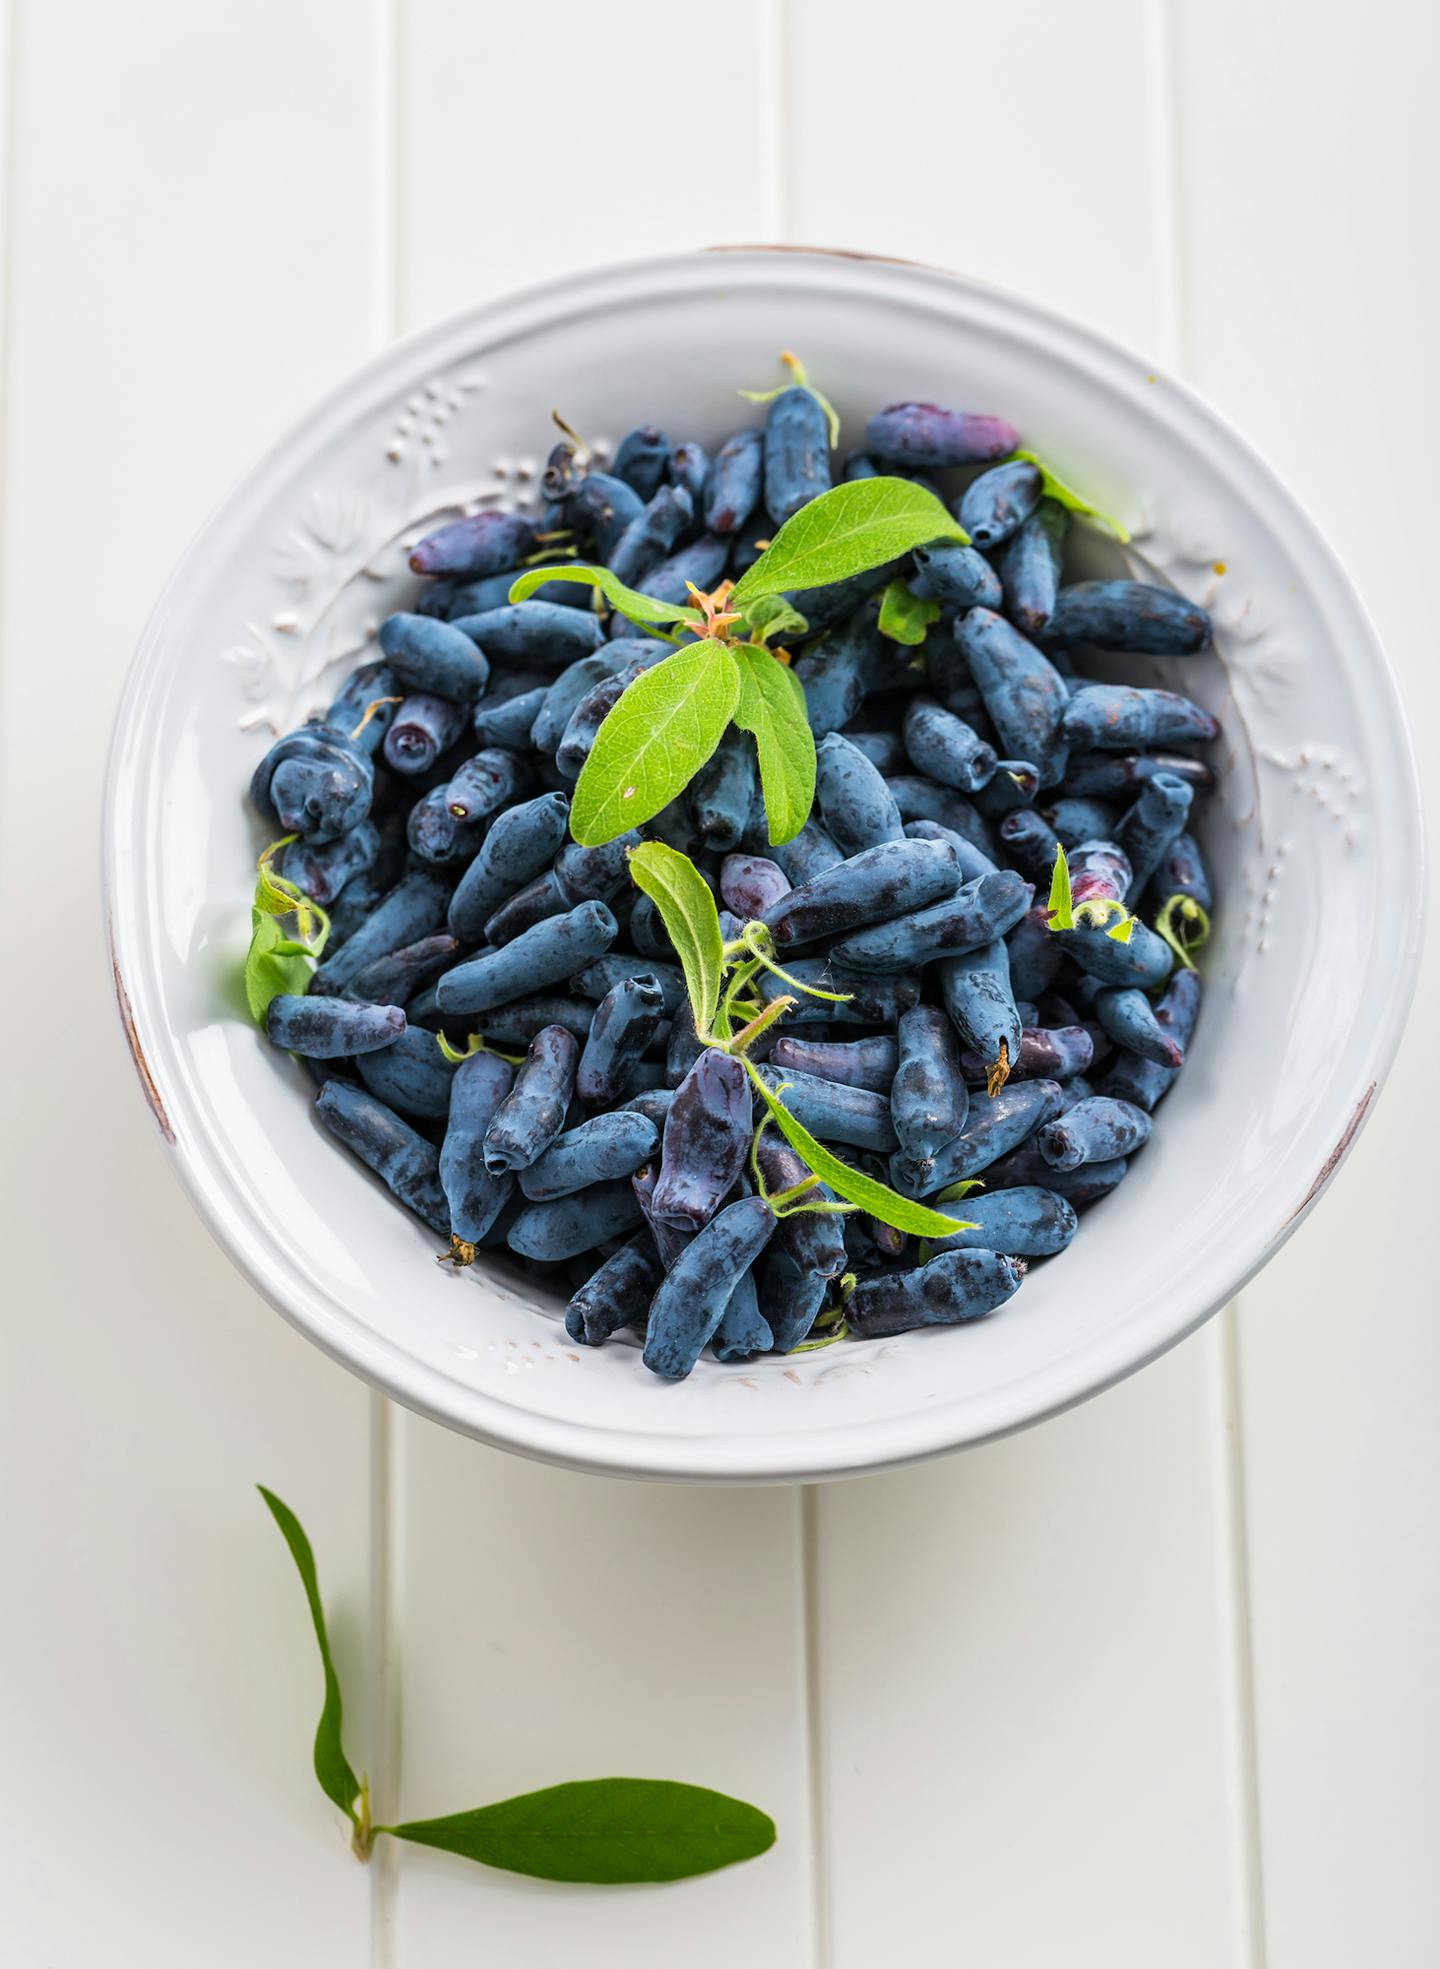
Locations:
(287, 935)
(687, 909)
(904, 617)
(1060, 908)
(845, 531)
(957, 1190)
(610, 1831)
(1105, 909)
(1053, 487)
(338, 1782)
(658, 736)
(635, 607)
(771, 616)
(1184, 925)
(853, 1184)
(772, 707)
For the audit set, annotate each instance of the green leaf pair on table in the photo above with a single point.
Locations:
(608, 1831)
(671, 718)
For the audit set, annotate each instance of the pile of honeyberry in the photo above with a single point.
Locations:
(571, 1116)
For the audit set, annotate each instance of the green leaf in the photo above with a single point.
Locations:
(1060, 912)
(633, 606)
(338, 1782)
(955, 1191)
(287, 935)
(772, 616)
(1184, 925)
(611, 1831)
(658, 736)
(687, 909)
(845, 531)
(772, 707)
(904, 617)
(853, 1184)
(1105, 909)
(1054, 487)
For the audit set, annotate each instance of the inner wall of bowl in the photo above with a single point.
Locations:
(1238, 1140)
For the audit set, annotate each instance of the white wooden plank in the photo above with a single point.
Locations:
(603, 134)
(1030, 1709)
(556, 1626)
(1009, 144)
(1310, 150)
(189, 264)
(559, 1626)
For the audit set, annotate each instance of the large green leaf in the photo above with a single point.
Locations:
(658, 736)
(607, 1830)
(772, 707)
(338, 1782)
(846, 531)
(687, 909)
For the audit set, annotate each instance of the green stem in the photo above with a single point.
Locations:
(776, 1009)
(363, 1837)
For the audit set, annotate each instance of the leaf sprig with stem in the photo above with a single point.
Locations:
(608, 1831)
(669, 721)
(720, 978)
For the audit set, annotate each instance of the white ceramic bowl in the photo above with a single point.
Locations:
(1314, 839)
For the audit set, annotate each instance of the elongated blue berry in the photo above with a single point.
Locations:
(404, 1161)
(533, 1113)
(955, 1286)
(692, 1297)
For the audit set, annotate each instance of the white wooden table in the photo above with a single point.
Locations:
(1152, 1685)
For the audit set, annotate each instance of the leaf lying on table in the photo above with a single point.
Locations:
(772, 707)
(332, 1768)
(611, 1831)
(687, 909)
(846, 531)
(608, 1831)
(660, 733)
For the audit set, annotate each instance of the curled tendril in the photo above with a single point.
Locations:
(1175, 914)
(799, 379)
(1102, 910)
(757, 940)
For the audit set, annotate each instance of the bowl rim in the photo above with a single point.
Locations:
(788, 1452)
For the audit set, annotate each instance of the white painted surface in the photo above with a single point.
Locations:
(1152, 1684)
